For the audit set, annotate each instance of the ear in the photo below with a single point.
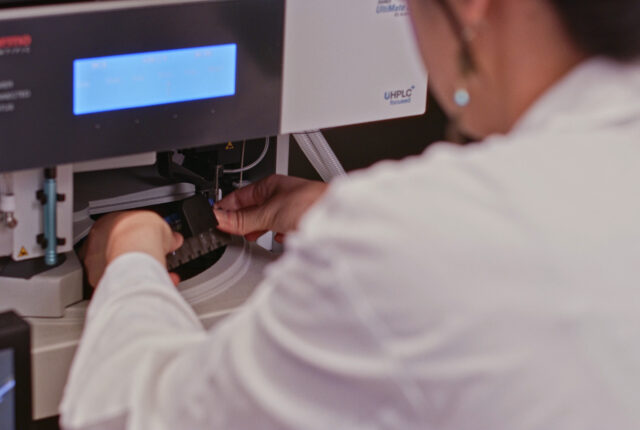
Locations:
(472, 12)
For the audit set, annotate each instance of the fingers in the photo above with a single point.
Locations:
(175, 278)
(178, 240)
(245, 221)
(251, 195)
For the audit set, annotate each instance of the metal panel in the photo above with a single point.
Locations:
(349, 62)
(36, 77)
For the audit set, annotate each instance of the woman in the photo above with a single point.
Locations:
(486, 287)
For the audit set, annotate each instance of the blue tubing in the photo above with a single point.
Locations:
(50, 233)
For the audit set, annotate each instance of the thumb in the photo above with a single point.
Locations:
(177, 241)
(243, 221)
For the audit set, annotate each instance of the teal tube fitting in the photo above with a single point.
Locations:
(50, 233)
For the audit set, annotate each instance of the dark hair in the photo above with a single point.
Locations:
(609, 28)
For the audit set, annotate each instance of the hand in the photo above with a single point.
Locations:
(276, 203)
(118, 233)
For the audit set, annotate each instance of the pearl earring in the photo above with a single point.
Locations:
(462, 97)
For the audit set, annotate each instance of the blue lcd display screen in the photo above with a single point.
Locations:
(153, 78)
(7, 390)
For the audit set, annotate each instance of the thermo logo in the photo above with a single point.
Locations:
(15, 44)
(16, 41)
(397, 97)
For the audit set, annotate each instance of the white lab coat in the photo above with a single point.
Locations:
(488, 287)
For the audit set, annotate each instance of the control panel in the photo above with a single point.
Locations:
(83, 81)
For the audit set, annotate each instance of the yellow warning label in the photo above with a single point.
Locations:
(229, 146)
(23, 252)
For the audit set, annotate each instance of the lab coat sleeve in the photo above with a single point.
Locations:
(304, 353)
(137, 321)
